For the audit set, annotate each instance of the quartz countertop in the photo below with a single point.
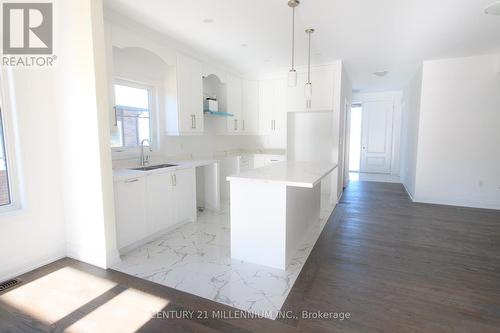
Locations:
(290, 173)
(126, 173)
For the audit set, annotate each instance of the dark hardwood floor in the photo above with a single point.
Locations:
(393, 265)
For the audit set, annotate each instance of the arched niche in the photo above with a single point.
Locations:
(214, 87)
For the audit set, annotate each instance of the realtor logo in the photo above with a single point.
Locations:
(27, 28)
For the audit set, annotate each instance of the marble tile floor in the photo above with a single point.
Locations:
(195, 258)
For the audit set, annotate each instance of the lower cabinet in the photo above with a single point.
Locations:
(153, 203)
(130, 211)
(160, 193)
(184, 193)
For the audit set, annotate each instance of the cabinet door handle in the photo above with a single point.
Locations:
(193, 119)
(236, 124)
(132, 180)
(116, 117)
(175, 179)
(243, 123)
(195, 124)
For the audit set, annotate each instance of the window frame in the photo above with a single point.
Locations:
(128, 152)
(10, 138)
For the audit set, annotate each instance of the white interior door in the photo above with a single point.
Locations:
(376, 141)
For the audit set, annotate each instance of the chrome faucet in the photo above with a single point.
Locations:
(145, 157)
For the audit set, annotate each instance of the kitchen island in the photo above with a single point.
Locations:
(272, 208)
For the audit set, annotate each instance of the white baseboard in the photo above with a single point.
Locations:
(113, 258)
(457, 203)
(96, 257)
(33, 265)
(408, 192)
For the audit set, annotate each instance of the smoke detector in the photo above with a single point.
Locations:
(493, 9)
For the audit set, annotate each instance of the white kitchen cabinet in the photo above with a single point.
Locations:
(184, 195)
(184, 95)
(261, 160)
(323, 81)
(272, 112)
(250, 98)
(234, 104)
(160, 201)
(130, 202)
(153, 203)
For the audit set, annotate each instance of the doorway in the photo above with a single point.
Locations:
(376, 137)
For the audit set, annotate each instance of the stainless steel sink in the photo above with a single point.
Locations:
(154, 167)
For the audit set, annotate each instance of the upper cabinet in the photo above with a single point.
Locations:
(184, 91)
(272, 111)
(250, 98)
(323, 81)
(234, 104)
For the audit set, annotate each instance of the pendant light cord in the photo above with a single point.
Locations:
(293, 38)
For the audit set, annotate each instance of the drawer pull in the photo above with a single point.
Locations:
(132, 180)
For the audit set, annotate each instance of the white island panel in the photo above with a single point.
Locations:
(272, 208)
(258, 223)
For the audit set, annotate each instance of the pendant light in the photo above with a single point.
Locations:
(292, 73)
(308, 88)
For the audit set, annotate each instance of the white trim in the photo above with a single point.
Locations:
(129, 152)
(408, 192)
(91, 255)
(36, 264)
(11, 140)
(459, 203)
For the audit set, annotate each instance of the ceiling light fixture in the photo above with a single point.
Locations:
(243, 45)
(381, 73)
(493, 9)
(292, 74)
(208, 20)
(308, 90)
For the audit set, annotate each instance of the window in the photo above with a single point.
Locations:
(5, 193)
(133, 115)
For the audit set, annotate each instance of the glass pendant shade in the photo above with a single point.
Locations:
(308, 91)
(292, 78)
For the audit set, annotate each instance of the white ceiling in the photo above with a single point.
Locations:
(369, 35)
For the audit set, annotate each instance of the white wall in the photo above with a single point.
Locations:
(61, 135)
(458, 159)
(409, 131)
(395, 97)
(33, 235)
(81, 101)
(342, 104)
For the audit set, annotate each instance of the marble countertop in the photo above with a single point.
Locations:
(296, 174)
(126, 173)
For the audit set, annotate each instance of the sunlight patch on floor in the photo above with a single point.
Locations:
(124, 313)
(56, 295)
